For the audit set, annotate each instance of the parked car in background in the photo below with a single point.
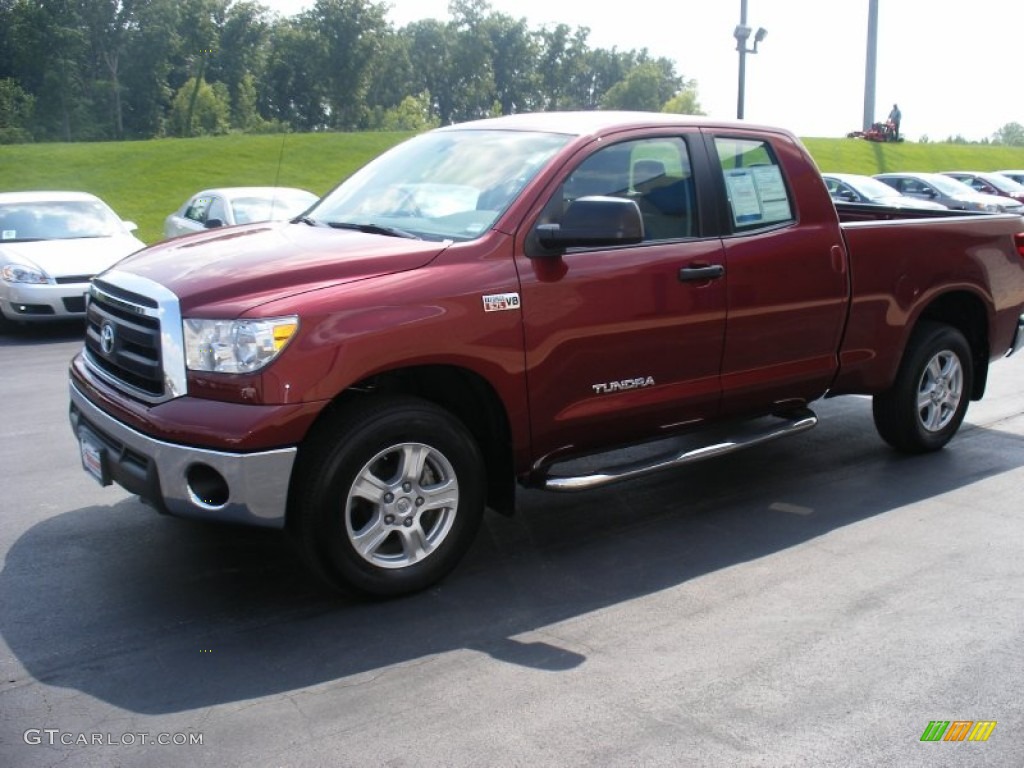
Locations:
(989, 184)
(1017, 176)
(856, 188)
(51, 245)
(950, 192)
(227, 206)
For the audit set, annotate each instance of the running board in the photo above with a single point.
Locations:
(746, 435)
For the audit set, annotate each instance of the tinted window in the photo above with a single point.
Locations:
(654, 173)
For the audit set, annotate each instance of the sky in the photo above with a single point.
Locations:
(955, 67)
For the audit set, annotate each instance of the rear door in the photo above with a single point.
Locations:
(787, 287)
(625, 342)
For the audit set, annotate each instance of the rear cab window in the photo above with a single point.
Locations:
(754, 184)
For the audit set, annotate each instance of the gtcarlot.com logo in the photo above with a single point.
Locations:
(958, 730)
(55, 737)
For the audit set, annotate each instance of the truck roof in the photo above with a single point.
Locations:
(599, 122)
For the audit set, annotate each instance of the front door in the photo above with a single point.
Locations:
(625, 342)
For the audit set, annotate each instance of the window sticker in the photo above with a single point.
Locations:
(757, 195)
(9, 234)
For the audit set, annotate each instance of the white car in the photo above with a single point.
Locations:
(51, 246)
(227, 206)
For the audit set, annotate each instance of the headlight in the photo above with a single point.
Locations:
(19, 273)
(236, 346)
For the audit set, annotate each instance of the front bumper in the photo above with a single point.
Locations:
(31, 302)
(247, 488)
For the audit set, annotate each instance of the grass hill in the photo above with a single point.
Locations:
(144, 181)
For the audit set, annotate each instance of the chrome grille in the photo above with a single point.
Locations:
(133, 340)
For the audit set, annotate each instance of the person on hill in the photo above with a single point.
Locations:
(895, 116)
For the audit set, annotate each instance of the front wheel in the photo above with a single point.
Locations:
(389, 497)
(926, 404)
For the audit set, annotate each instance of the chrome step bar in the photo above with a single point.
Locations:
(746, 434)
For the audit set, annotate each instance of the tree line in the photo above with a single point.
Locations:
(94, 70)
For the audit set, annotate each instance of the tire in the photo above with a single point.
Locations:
(926, 404)
(388, 496)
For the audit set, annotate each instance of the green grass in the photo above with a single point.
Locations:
(871, 157)
(144, 181)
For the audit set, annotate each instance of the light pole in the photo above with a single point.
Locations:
(742, 34)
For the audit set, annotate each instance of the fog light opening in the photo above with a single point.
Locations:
(207, 488)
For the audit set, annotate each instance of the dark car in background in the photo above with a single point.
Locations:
(948, 191)
(989, 183)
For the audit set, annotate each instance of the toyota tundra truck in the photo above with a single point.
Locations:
(486, 304)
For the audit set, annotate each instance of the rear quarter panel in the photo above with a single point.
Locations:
(899, 268)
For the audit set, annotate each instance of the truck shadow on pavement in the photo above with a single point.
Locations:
(156, 615)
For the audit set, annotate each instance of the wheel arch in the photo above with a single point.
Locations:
(463, 393)
(966, 312)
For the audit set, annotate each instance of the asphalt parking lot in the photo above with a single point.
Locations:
(813, 602)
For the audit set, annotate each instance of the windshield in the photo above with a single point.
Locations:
(1004, 184)
(874, 189)
(948, 186)
(57, 220)
(444, 185)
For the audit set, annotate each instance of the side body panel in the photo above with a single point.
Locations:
(900, 268)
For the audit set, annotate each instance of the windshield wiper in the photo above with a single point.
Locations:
(374, 229)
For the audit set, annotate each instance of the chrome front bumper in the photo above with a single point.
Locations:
(176, 478)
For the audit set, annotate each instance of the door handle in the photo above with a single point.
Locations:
(696, 274)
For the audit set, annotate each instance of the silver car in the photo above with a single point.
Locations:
(227, 206)
(855, 188)
(51, 246)
(950, 192)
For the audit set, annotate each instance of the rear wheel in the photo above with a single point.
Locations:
(926, 404)
(390, 496)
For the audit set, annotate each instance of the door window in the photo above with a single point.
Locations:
(754, 184)
(655, 173)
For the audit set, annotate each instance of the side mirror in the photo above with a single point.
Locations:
(594, 222)
(213, 223)
(131, 226)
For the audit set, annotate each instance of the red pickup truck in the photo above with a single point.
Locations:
(487, 302)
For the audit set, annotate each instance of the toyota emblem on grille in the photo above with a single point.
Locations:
(107, 337)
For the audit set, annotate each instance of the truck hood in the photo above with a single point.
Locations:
(228, 271)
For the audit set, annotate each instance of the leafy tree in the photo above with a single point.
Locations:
(240, 57)
(513, 54)
(647, 87)
(15, 112)
(562, 67)
(201, 109)
(413, 114)
(348, 35)
(1011, 134)
(292, 91)
(685, 102)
